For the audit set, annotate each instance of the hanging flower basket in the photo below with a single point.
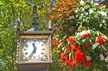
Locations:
(85, 49)
(78, 40)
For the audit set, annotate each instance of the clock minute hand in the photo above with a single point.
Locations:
(34, 50)
(34, 47)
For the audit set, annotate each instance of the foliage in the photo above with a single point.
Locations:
(10, 10)
(62, 13)
(92, 16)
(63, 9)
(56, 65)
(89, 19)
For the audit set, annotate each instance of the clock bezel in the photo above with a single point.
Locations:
(36, 35)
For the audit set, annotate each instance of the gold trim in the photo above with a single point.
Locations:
(32, 36)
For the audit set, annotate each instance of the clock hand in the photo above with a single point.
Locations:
(34, 50)
(34, 47)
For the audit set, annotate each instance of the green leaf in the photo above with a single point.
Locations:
(104, 48)
(83, 40)
(95, 45)
(1, 3)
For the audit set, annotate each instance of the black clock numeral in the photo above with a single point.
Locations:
(42, 53)
(26, 45)
(42, 44)
(25, 49)
(26, 53)
(43, 49)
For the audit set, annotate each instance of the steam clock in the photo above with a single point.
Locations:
(34, 47)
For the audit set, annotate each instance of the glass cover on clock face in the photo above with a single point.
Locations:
(34, 50)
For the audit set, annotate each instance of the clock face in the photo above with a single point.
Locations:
(34, 49)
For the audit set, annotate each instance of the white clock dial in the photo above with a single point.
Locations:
(28, 48)
(40, 51)
(34, 49)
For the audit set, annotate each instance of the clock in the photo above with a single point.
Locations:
(34, 51)
(35, 48)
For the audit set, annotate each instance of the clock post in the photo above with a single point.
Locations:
(34, 47)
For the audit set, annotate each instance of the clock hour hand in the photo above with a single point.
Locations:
(34, 50)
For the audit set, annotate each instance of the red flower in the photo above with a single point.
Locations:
(73, 64)
(79, 56)
(86, 35)
(88, 45)
(68, 49)
(71, 40)
(56, 43)
(68, 62)
(88, 63)
(64, 57)
(75, 47)
(99, 39)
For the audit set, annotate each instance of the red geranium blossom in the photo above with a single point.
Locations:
(86, 35)
(68, 62)
(71, 40)
(87, 45)
(64, 57)
(56, 43)
(99, 39)
(75, 47)
(79, 56)
(68, 49)
(88, 63)
(73, 64)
